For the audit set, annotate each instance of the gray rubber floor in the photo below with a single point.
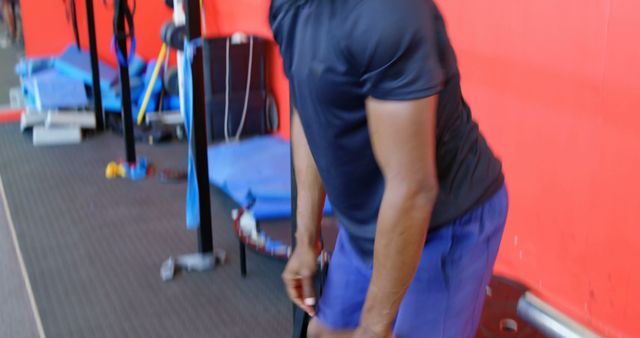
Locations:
(93, 248)
(17, 319)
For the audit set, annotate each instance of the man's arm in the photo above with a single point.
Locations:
(403, 135)
(299, 273)
(311, 194)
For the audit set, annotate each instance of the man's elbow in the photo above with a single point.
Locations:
(420, 193)
(427, 192)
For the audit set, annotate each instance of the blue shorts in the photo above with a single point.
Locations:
(446, 296)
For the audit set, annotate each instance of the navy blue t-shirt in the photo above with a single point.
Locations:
(339, 52)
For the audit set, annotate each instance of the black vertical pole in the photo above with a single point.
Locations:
(199, 129)
(127, 120)
(95, 72)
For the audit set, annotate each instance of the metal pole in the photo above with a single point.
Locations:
(199, 130)
(550, 321)
(127, 120)
(95, 71)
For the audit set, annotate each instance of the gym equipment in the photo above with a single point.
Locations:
(56, 136)
(29, 67)
(122, 14)
(95, 70)
(137, 66)
(173, 35)
(255, 174)
(136, 84)
(198, 198)
(550, 321)
(31, 118)
(235, 82)
(151, 87)
(179, 19)
(134, 171)
(76, 64)
(73, 18)
(51, 91)
(82, 119)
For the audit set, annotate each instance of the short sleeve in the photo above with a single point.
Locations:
(394, 48)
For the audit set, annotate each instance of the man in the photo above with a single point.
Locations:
(380, 125)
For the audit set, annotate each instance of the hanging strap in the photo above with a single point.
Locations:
(129, 23)
(74, 22)
(72, 17)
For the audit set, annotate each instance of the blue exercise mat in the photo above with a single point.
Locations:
(137, 66)
(59, 92)
(28, 67)
(76, 64)
(255, 172)
(48, 89)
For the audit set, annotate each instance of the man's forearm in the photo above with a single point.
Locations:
(400, 236)
(311, 194)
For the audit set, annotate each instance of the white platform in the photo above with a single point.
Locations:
(82, 119)
(43, 136)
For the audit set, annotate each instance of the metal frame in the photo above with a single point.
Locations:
(95, 71)
(123, 68)
(551, 322)
(206, 258)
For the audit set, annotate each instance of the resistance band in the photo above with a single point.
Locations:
(152, 82)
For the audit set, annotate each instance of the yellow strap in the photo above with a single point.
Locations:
(152, 82)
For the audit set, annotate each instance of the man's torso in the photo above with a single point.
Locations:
(319, 41)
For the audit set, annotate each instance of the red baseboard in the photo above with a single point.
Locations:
(10, 115)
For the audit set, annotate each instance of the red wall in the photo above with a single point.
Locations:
(47, 32)
(554, 85)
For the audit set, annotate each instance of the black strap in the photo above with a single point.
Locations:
(128, 16)
(74, 22)
(72, 17)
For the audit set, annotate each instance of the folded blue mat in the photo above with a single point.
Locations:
(48, 89)
(255, 172)
(137, 66)
(76, 64)
(29, 67)
(136, 85)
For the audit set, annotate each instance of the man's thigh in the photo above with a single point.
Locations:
(447, 294)
(345, 287)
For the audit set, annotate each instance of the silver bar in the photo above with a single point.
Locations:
(551, 322)
(168, 117)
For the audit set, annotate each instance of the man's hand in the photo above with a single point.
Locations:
(298, 277)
